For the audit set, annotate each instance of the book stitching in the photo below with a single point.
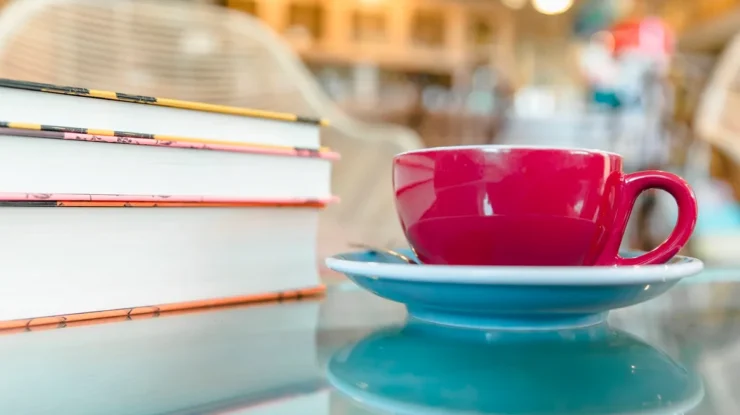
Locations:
(143, 312)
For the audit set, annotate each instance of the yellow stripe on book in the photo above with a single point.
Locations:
(111, 133)
(102, 94)
(199, 106)
(24, 126)
(124, 97)
(107, 133)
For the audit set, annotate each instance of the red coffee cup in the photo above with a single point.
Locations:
(510, 205)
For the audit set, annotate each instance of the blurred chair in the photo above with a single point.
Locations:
(716, 119)
(718, 125)
(206, 53)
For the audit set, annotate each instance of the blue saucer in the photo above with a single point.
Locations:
(515, 298)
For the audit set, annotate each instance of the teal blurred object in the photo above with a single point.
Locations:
(422, 369)
(719, 220)
(594, 16)
(606, 97)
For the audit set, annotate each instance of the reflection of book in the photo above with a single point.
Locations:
(216, 361)
(311, 403)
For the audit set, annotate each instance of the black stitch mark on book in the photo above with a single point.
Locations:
(308, 120)
(310, 152)
(37, 86)
(136, 98)
(23, 203)
(58, 129)
(128, 134)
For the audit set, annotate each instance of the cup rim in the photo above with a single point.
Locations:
(505, 146)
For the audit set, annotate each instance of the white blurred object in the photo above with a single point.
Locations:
(598, 64)
(435, 98)
(206, 53)
(367, 84)
(552, 6)
(534, 102)
(633, 67)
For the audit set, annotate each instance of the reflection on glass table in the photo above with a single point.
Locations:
(353, 353)
(426, 369)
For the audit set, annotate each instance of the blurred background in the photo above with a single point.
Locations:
(652, 79)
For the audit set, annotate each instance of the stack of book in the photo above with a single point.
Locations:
(118, 204)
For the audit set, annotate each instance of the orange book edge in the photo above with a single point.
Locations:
(145, 312)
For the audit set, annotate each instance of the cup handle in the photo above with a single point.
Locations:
(634, 184)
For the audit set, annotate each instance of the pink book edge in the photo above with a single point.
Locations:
(155, 142)
(82, 197)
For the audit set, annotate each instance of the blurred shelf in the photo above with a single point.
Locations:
(711, 36)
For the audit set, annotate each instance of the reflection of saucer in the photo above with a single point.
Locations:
(421, 369)
(518, 298)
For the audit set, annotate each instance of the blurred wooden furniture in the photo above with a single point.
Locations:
(200, 52)
(717, 121)
(709, 33)
(717, 124)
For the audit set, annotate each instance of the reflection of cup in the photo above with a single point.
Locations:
(423, 369)
(503, 205)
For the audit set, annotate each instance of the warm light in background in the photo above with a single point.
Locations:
(514, 4)
(552, 6)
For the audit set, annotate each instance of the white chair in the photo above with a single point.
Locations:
(716, 115)
(717, 124)
(206, 53)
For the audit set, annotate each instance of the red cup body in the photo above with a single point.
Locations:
(500, 205)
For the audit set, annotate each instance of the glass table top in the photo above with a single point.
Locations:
(350, 352)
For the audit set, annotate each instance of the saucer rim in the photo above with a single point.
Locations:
(515, 275)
